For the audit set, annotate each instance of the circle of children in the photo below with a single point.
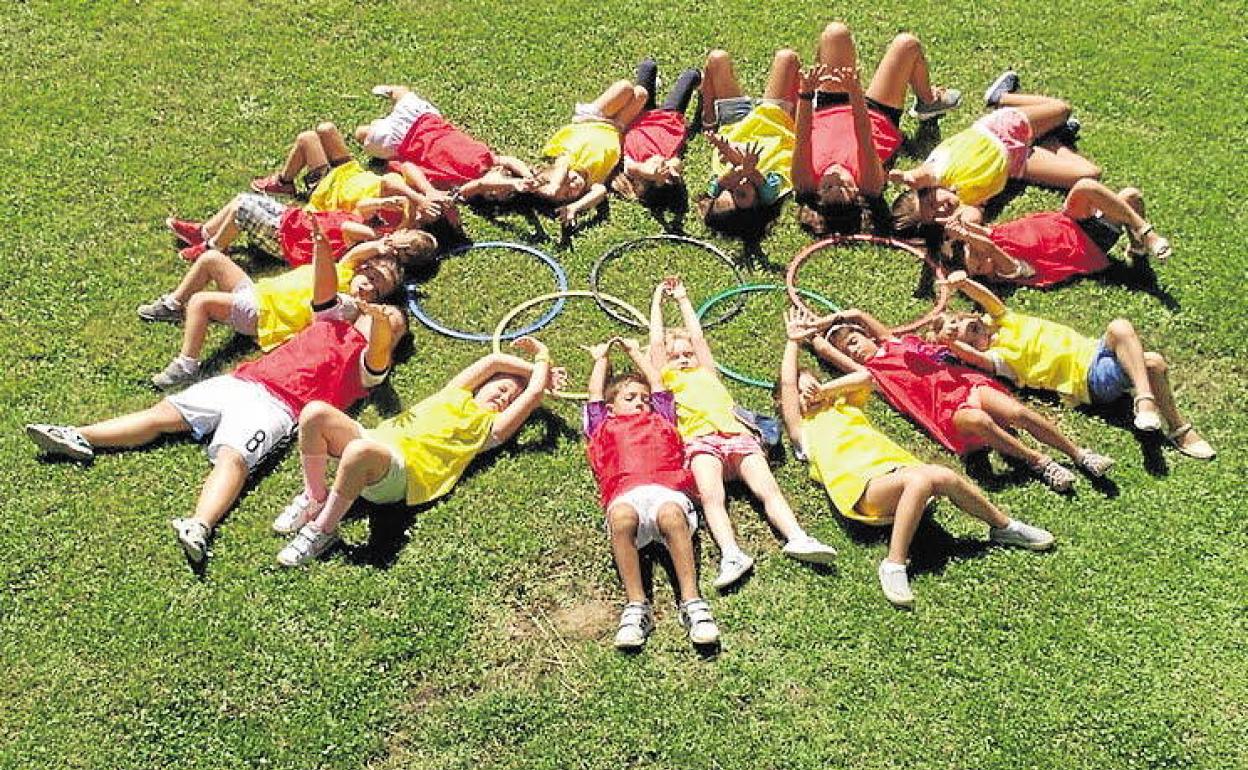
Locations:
(667, 434)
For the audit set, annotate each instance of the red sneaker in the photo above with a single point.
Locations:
(192, 253)
(185, 230)
(273, 184)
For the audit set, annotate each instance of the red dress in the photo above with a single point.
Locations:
(656, 132)
(923, 382)
(832, 139)
(1053, 244)
(443, 152)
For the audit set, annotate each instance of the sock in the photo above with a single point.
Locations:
(728, 553)
(314, 476)
(336, 506)
(1013, 526)
(210, 243)
(172, 302)
(191, 365)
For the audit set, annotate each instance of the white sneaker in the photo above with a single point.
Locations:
(895, 583)
(695, 616)
(193, 537)
(1022, 535)
(732, 568)
(636, 623)
(306, 545)
(178, 372)
(1057, 477)
(300, 511)
(810, 550)
(164, 308)
(61, 441)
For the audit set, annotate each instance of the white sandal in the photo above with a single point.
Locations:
(1200, 450)
(1146, 421)
(1160, 250)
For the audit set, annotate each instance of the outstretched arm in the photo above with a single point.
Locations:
(692, 325)
(324, 271)
(977, 292)
(380, 339)
(568, 213)
(601, 370)
(513, 165)
(511, 418)
(658, 343)
(873, 177)
(971, 356)
(361, 253)
(917, 178)
(826, 351)
(647, 368)
(804, 180)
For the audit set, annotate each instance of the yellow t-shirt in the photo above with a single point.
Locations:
(971, 164)
(1037, 353)
(438, 438)
(593, 148)
(845, 453)
(703, 404)
(284, 303)
(772, 129)
(344, 187)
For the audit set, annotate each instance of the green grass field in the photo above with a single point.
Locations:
(475, 634)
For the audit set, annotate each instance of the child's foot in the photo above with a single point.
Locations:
(732, 567)
(1183, 437)
(1147, 418)
(193, 537)
(1095, 464)
(810, 550)
(185, 230)
(383, 91)
(1006, 83)
(164, 308)
(300, 511)
(192, 253)
(945, 100)
(895, 584)
(273, 184)
(180, 371)
(307, 544)
(695, 616)
(636, 623)
(1147, 243)
(1058, 477)
(61, 441)
(1022, 535)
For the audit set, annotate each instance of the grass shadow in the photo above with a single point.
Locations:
(920, 143)
(931, 550)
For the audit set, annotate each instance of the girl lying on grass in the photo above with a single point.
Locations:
(869, 478)
(413, 458)
(638, 460)
(274, 309)
(655, 140)
(963, 409)
(845, 137)
(753, 141)
(1050, 247)
(718, 446)
(970, 167)
(1035, 353)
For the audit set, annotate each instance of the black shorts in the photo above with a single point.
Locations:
(832, 99)
(1103, 234)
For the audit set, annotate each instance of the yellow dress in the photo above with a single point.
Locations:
(845, 454)
(438, 438)
(972, 164)
(284, 303)
(344, 187)
(703, 404)
(1043, 354)
(593, 148)
(772, 129)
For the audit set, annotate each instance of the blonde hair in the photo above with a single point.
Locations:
(676, 333)
(411, 247)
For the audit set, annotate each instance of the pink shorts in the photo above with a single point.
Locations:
(729, 448)
(1011, 127)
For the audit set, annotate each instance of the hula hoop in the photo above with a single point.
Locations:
(595, 274)
(942, 294)
(561, 296)
(753, 287)
(561, 281)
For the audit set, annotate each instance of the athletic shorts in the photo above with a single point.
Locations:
(259, 216)
(1103, 233)
(1107, 380)
(392, 487)
(646, 500)
(386, 134)
(735, 108)
(1012, 129)
(239, 414)
(244, 313)
(835, 98)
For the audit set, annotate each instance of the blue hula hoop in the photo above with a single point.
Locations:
(561, 281)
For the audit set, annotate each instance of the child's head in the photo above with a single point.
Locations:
(574, 186)
(679, 347)
(375, 279)
(853, 341)
(969, 328)
(914, 209)
(727, 216)
(627, 394)
(655, 176)
(821, 219)
(410, 247)
(497, 393)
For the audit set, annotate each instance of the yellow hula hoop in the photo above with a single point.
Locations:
(523, 306)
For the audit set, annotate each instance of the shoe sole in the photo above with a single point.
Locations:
(51, 446)
(923, 117)
(192, 551)
(1046, 545)
(897, 601)
(158, 318)
(815, 557)
(720, 583)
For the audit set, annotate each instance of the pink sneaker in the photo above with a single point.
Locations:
(192, 253)
(185, 230)
(273, 184)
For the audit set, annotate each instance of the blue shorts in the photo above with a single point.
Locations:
(734, 109)
(1107, 380)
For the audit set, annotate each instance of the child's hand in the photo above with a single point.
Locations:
(427, 210)
(847, 78)
(668, 285)
(600, 350)
(811, 78)
(798, 324)
(810, 395)
(956, 280)
(557, 379)
(676, 287)
(527, 184)
(730, 154)
(897, 176)
(567, 215)
(630, 345)
(750, 157)
(531, 345)
(393, 203)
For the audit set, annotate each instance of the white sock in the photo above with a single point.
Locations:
(172, 301)
(729, 553)
(188, 363)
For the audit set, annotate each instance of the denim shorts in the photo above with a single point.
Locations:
(1107, 380)
(735, 108)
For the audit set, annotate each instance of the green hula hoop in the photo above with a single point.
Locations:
(756, 287)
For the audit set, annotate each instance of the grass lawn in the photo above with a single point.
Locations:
(475, 634)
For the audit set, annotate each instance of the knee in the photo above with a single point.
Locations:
(623, 520)
(361, 133)
(718, 59)
(671, 519)
(786, 57)
(973, 420)
(941, 479)
(907, 43)
(1064, 106)
(640, 94)
(197, 304)
(314, 414)
(1155, 362)
(359, 452)
(307, 137)
(836, 32)
(228, 458)
(1131, 195)
(1084, 187)
(1120, 329)
(326, 128)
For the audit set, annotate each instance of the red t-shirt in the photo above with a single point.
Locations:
(320, 363)
(832, 139)
(444, 153)
(924, 382)
(1053, 244)
(655, 132)
(627, 452)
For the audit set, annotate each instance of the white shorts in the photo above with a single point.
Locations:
(392, 487)
(386, 134)
(244, 313)
(240, 414)
(647, 499)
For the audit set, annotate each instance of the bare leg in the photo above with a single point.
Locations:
(629, 112)
(622, 520)
(903, 65)
(836, 46)
(324, 431)
(617, 96)
(1007, 411)
(137, 428)
(679, 541)
(719, 81)
(758, 477)
(708, 472)
(204, 307)
(332, 144)
(306, 153)
(1043, 112)
(782, 80)
(1058, 169)
(212, 267)
(1089, 196)
(1122, 338)
(222, 487)
(364, 462)
(1159, 377)
(220, 228)
(978, 423)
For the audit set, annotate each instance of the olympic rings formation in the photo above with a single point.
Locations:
(756, 287)
(942, 295)
(561, 282)
(595, 273)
